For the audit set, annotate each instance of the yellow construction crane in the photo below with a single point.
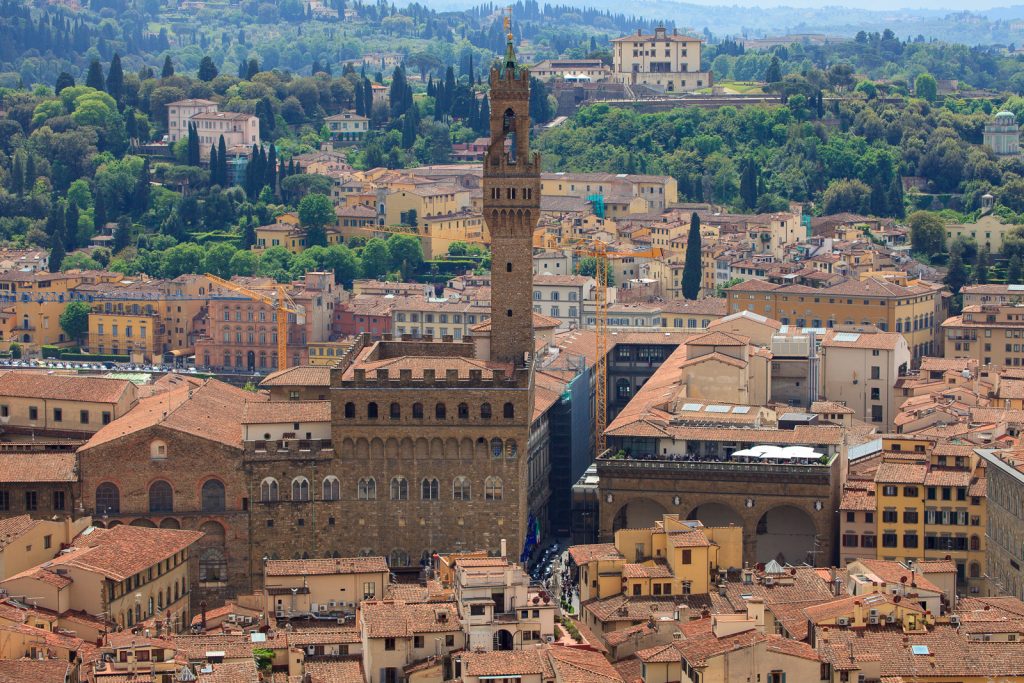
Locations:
(282, 305)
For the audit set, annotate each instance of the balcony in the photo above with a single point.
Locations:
(696, 463)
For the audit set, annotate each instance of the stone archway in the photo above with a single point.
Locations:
(787, 534)
(716, 514)
(503, 639)
(640, 513)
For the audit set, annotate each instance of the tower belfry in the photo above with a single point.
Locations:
(511, 203)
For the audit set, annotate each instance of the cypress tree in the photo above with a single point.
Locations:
(30, 171)
(222, 162)
(193, 145)
(270, 171)
(252, 68)
(57, 254)
(94, 79)
(248, 233)
(99, 212)
(484, 127)
(140, 196)
(367, 98)
(214, 166)
(692, 265)
(1014, 270)
(55, 219)
(207, 69)
(71, 226)
(168, 69)
(357, 96)
(18, 174)
(408, 131)
(115, 80)
(748, 184)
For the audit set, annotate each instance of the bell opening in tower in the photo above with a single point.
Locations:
(508, 129)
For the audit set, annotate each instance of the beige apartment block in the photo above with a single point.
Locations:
(38, 402)
(860, 370)
(322, 587)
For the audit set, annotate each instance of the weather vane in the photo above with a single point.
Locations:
(508, 21)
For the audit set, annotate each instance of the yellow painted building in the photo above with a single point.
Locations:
(675, 557)
(930, 504)
(38, 299)
(913, 309)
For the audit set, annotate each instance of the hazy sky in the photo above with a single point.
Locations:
(878, 5)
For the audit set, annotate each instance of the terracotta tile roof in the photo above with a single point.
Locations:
(627, 608)
(32, 384)
(653, 570)
(841, 607)
(272, 412)
(324, 637)
(35, 670)
(540, 322)
(949, 654)
(940, 476)
(348, 670)
(38, 467)
(582, 554)
(717, 338)
(857, 499)
(12, 528)
(212, 411)
(710, 306)
(894, 573)
(864, 340)
(300, 375)
(235, 646)
(122, 551)
(622, 635)
(717, 357)
(503, 663)
(577, 665)
(439, 364)
(979, 487)
(901, 473)
(694, 538)
(231, 672)
(326, 566)
(44, 575)
(754, 286)
(831, 407)
(396, 619)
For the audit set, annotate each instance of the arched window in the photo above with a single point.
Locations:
(511, 448)
(157, 449)
(300, 488)
(975, 543)
(350, 410)
(395, 411)
(269, 490)
(440, 412)
(485, 411)
(213, 496)
(975, 571)
(417, 411)
(509, 411)
(212, 565)
(332, 488)
(496, 447)
(461, 489)
(429, 489)
(366, 552)
(161, 497)
(463, 411)
(493, 489)
(108, 499)
(367, 489)
(398, 558)
(371, 410)
(399, 488)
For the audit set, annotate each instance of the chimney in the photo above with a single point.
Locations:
(504, 548)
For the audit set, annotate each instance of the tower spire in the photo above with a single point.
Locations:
(510, 51)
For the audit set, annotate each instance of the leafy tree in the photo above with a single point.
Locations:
(457, 249)
(846, 195)
(1011, 194)
(376, 258)
(774, 73)
(720, 289)
(207, 69)
(315, 213)
(406, 253)
(588, 266)
(981, 266)
(122, 234)
(692, 274)
(956, 276)
(74, 320)
(926, 87)
(1014, 270)
(80, 261)
(927, 233)
(217, 259)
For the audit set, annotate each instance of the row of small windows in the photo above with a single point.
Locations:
(440, 411)
(161, 497)
(512, 193)
(366, 489)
